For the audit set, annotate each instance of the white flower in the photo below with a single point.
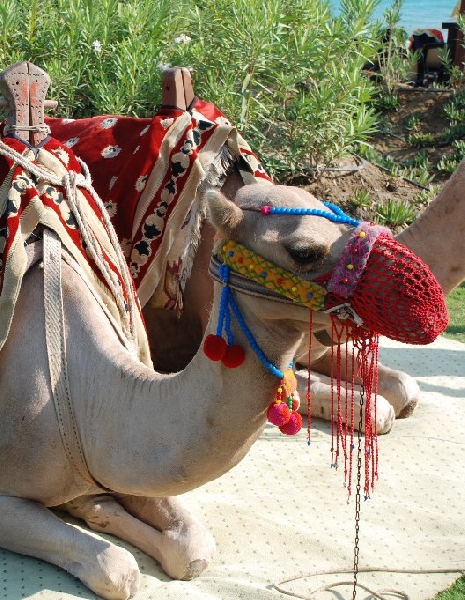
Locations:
(108, 122)
(141, 183)
(71, 142)
(182, 39)
(110, 151)
(97, 46)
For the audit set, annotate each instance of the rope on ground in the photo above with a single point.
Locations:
(320, 169)
(379, 594)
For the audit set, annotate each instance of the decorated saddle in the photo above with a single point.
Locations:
(46, 186)
(150, 174)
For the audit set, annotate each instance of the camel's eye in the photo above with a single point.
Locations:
(307, 255)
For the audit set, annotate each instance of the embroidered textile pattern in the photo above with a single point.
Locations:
(257, 268)
(354, 258)
(148, 171)
(46, 186)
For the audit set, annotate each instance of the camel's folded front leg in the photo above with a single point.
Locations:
(160, 527)
(322, 398)
(398, 393)
(29, 528)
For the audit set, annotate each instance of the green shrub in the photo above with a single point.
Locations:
(286, 72)
(419, 139)
(395, 213)
(362, 199)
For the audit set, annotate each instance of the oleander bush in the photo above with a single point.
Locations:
(287, 72)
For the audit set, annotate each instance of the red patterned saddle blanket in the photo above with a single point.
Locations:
(47, 187)
(150, 174)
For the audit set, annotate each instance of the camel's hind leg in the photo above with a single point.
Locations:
(27, 527)
(160, 527)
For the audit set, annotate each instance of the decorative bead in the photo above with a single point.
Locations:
(279, 281)
(251, 267)
(233, 357)
(263, 274)
(293, 426)
(214, 347)
(231, 253)
(265, 210)
(278, 413)
(294, 289)
(345, 280)
(362, 234)
(350, 267)
(309, 295)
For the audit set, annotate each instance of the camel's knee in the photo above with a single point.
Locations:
(401, 390)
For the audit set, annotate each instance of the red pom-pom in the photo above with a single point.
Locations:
(233, 357)
(278, 413)
(214, 347)
(293, 426)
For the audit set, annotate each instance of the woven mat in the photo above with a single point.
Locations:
(282, 511)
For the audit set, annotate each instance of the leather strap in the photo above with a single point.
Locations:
(56, 351)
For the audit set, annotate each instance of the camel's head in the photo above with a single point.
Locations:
(328, 261)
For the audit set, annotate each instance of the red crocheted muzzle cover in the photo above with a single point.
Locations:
(389, 288)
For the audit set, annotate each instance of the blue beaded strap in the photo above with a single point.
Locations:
(224, 321)
(337, 215)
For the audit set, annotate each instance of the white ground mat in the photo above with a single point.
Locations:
(283, 511)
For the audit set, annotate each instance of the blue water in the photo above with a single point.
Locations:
(417, 14)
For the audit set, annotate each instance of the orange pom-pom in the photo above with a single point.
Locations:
(214, 347)
(233, 357)
(278, 413)
(293, 426)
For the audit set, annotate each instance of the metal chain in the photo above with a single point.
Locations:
(357, 490)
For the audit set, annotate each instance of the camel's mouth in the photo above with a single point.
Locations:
(378, 284)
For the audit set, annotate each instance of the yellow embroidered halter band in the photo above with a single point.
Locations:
(260, 270)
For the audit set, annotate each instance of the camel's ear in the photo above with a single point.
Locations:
(223, 214)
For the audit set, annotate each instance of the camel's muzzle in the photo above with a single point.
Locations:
(389, 288)
(378, 283)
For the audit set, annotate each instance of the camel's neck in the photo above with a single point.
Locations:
(163, 435)
(438, 235)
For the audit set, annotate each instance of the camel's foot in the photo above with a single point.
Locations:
(112, 573)
(400, 390)
(186, 547)
(160, 527)
(187, 551)
(321, 395)
(29, 528)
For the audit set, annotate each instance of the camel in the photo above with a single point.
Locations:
(92, 430)
(175, 337)
(122, 408)
(438, 235)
